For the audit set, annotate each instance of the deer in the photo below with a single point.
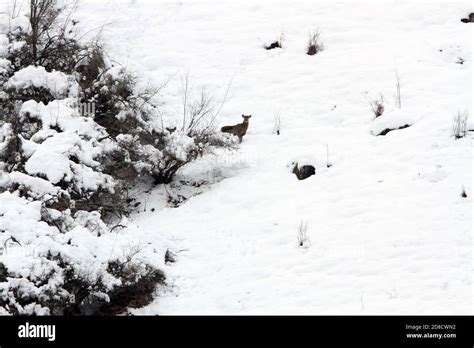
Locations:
(238, 130)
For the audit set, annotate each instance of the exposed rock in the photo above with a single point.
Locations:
(303, 172)
(388, 130)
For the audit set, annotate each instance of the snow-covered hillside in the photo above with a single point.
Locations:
(388, 229)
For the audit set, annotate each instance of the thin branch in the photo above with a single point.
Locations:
(399, 97)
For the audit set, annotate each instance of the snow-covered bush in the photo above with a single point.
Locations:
(278, 43)
(65, 175)
(45, 36)
(302, 235)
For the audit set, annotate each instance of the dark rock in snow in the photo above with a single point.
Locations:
(273, 45)
(388, 130)
(468, 20)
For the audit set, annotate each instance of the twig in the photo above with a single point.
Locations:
(399, 97)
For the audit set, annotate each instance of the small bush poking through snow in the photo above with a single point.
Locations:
(302, 236)
(463, 192)
(278, 43)
(65, 176)
(459, 129)
(277, 124)
(314, 43)
(377, 106)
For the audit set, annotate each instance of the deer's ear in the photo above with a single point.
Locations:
(243, 115)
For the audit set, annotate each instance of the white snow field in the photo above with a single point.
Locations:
(389, 232)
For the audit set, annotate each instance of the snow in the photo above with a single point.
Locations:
(50, 152)
(389, 231)
(52, 159)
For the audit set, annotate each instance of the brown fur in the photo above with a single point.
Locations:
(239, 130)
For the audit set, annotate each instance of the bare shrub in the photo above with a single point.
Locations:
(377, 106)
(90, 65)
(146, 147)
(216, 172)
(12, 154)
(277, 124)
(170, 257)
(15, 9)
(314, 43)
(459, 128)
(106, 156)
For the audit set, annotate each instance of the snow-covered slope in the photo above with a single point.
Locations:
(389, 231)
